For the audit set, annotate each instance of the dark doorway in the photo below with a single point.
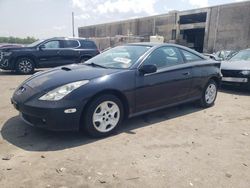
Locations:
(195, 37)
(192, 32)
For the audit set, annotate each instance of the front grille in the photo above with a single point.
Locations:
(231, 73)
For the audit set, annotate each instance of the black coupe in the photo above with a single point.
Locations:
(124, 81)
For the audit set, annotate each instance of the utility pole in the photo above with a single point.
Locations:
(73, 24)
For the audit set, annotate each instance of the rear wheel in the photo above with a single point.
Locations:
(103, 116)
(209, 94)
(25, 66)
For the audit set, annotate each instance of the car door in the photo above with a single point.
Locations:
(49, 55)
(169, 85)
(199, 68)
(70, 52)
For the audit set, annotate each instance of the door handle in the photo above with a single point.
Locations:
(58, 52)
(186, 73)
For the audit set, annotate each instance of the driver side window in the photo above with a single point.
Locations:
(164, 57)
(52, 44)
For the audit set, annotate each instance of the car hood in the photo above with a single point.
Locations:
(235, 65)
(47, 80)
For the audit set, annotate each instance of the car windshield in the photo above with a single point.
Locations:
(35, 43)
(122, 57)
(241, 56)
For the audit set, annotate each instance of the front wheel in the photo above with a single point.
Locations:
(103, 116)
(209, 94)
(25, 66)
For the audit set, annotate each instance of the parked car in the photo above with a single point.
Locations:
(221, 55)
(225, 54)
(47, 53)
(124, 81)
(237, 69)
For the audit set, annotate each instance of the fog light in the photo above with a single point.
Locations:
(70, 111)
(245, 72)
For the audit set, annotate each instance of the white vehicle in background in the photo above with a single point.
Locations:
(221, 55)
(237, 69)
(225, 54)
(157, 39)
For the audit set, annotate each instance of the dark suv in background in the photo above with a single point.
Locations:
(47, 53)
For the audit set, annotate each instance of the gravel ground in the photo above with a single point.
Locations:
(184, 146)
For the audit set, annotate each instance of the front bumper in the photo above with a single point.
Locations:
(234, 79)
(50, 117)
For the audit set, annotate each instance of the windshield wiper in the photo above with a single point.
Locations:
(95, 65)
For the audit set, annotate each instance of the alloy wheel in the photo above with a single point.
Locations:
(210, 93)
(25, 66)
(106, 116)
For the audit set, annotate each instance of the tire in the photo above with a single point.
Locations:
(209, 94)
(25, 66)
(103, 116)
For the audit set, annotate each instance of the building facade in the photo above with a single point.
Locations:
(205, 30)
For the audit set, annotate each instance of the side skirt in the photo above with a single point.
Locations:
(162, 107)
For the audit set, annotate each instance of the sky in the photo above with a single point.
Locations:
(49, 18)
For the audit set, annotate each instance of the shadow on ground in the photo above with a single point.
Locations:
(16, 132)
(235, 90)
(8, 73)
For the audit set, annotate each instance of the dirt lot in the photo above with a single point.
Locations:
(183, 146)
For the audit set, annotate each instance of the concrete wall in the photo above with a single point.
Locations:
(143, 27)
(165, 24)
(106, 42)
(110, 29)
(227, 27)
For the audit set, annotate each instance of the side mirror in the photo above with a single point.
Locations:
(41, 47)
(147, 69)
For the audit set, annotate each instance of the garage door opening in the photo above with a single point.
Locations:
(194, 38)
(192, 30)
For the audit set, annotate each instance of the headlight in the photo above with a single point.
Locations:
(62, 91)
(7, 53)
(245, 72)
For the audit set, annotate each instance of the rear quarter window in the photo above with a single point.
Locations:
(190, 57)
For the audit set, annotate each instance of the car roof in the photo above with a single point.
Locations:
(68, 38)
(151, 44)
(145, 44)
